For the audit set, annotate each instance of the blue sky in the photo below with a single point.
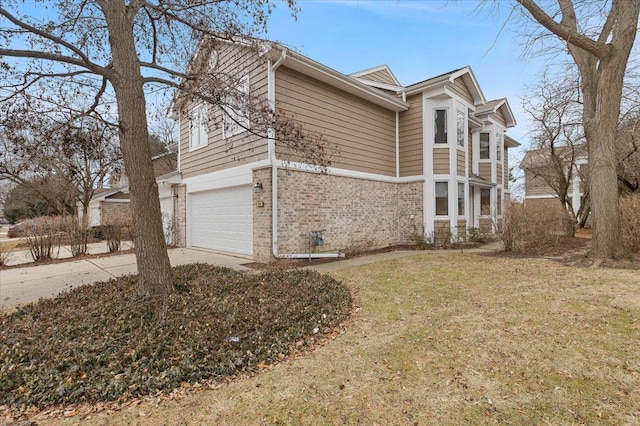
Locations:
(417, 39)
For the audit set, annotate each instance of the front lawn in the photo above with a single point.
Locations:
(444, 339)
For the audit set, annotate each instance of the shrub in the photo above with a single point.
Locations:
(531, 227)
(43, 237)
(4, 255)
(77, 236)
(115, 232)
(104, 342)
(630, 218)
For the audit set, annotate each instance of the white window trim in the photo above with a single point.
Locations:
(464, 130)
(243, 85)
(435, 196)
(201, 110)
(480, 146)
(462, 215)
(447, 119)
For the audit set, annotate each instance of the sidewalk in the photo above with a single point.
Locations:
(22, 257)
(29, 283)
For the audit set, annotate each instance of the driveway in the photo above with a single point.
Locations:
(30, 283)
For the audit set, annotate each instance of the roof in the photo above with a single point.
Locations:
(493, 106)
(383, 67)
(539, 157)
(465, 73)
(318, 71)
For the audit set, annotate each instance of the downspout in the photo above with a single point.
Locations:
(397, 144)
(271, 95)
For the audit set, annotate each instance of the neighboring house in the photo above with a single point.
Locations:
(541, 181)
(429, 159)
(112, 205)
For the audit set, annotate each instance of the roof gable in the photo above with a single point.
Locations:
(497, 106)
(464, 74)
(380, 74)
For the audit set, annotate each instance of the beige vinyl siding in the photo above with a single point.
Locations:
(498, 173)
(165, 164)
(411, 128)
(440, 161)
(460, 88)
(237, 61)
(536, 185)
(485, 171)
(498, 117)
(381, 76)
(460, 162)
(462, 227)
(363, 133)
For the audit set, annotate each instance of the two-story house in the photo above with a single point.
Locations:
(428, 159)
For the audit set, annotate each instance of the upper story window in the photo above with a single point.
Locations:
(440, 126)
(499, 146)
(236, 114)
(198, 136)
(484, 146)
(460, 121)
(442, 198)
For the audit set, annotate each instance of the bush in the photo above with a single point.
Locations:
(104, 342)
(4, 255)
(531, 227)
(115, 232)
(43, 236)
(77, 236)
(630, 217)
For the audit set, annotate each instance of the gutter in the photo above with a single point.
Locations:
(271, 95)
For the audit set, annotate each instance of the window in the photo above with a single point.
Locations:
(198, 130)
(460, 199)
(499, 146)
(236, 116)
(484, 146)
(460, 127)
(442, 198)
(485, 202)
(440, 126)
(499, 201)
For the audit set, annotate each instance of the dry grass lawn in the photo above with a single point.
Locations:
(447, 339)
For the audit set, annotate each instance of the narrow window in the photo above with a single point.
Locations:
(236, 117)
(198, 127)
(442, 198)
(499, 146)
(460, 199)
(460, 127)
(499, 201)
(440, 126)
(484, 146)
(485, 202)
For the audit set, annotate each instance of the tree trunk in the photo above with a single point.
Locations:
(603, 161)
(155, 277)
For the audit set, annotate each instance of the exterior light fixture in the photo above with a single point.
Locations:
(257, 188)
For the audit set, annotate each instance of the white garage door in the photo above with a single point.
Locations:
(222, 219)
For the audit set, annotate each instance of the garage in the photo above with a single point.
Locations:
(222, 219)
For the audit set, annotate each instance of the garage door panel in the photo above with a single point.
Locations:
(223, 219)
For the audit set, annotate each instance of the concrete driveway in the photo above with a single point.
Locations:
(30, 283)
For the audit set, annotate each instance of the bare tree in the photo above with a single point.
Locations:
(79, 154)
(120, 48)
(599, 37)
(557, 139)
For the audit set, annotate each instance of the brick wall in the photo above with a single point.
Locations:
(180, 216)
(355, 214)
(115, 212)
